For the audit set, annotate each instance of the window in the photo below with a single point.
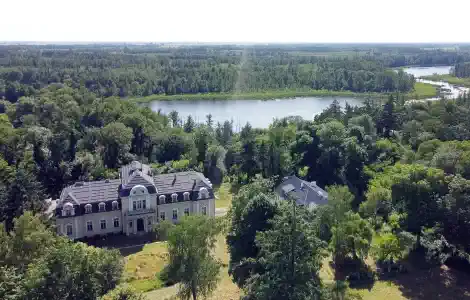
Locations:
(88, 208)
(68, 210)
(186, 211)
(186, 196)
(174, 197)
(175, 214)
(162, 199)
(204, 210)
(130, 224)
(203, 193)
(149, 221)
(162, 215)
(103, 224)
(115, 205)
(69, 229)
(89, 226)
(102, 206)
(116, 223)
(139, 204)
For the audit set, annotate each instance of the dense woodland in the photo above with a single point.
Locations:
(462, 70)
(135, 71)
(397, 174)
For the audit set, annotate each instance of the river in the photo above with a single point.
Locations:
(261, 113)
(448, 91)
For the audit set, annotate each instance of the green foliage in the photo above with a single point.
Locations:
(351, 237)
(246, 222)
(162, 229)
(290, 256)
(388, 247)
(190, 246)
(123, 292)
(50, 267)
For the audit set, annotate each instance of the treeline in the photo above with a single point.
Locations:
(461, 70)
(124, 72)
(403, 172)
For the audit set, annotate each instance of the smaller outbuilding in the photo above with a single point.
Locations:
(305, 193)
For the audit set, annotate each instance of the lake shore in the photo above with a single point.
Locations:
(422, 90)
(449, 79)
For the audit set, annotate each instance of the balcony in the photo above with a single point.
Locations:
(140, 212)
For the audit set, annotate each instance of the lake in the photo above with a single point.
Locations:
(261, 113)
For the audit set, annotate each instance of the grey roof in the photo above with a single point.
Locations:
(89, 192)
(309, 195)
(136, 173)
(132, 175)
(180, 182)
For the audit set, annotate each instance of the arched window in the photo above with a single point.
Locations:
(88, 208)
(186, 196)
(115, 205)
(102, 206)
(174, 197)
(162, 199)
(203, 193)
(68, 210)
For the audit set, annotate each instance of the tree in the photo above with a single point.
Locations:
(290, 255)
(390, 248)
(189, 124)
(52, 267)
(73, 271)
(351, 238)
(115, 139)
(254, 218)
(214, 164)
(190, 244)
(22, 194)
(174, 117)
(124, 292)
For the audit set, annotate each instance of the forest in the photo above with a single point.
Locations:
(137, 71)
(397, 173)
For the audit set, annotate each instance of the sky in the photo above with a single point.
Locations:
(243, 21)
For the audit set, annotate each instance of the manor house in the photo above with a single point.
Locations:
(133, 203)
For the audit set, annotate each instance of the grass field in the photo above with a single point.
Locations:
(422, 91)
(140, 268)
(450, 79)
(420, 284)
(223, 196)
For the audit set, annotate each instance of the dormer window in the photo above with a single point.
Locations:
(115, 205)
(203, 193)
(174, 197)
(186, 196)
(68, 210)
(162, 199)
(102, 206)
(88, 208)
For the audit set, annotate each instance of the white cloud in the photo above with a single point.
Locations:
(238, 21)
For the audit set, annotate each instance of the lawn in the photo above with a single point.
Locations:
(226, 289)
(435, 283)
(223, 196)
(140, 268)
(422, 91)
